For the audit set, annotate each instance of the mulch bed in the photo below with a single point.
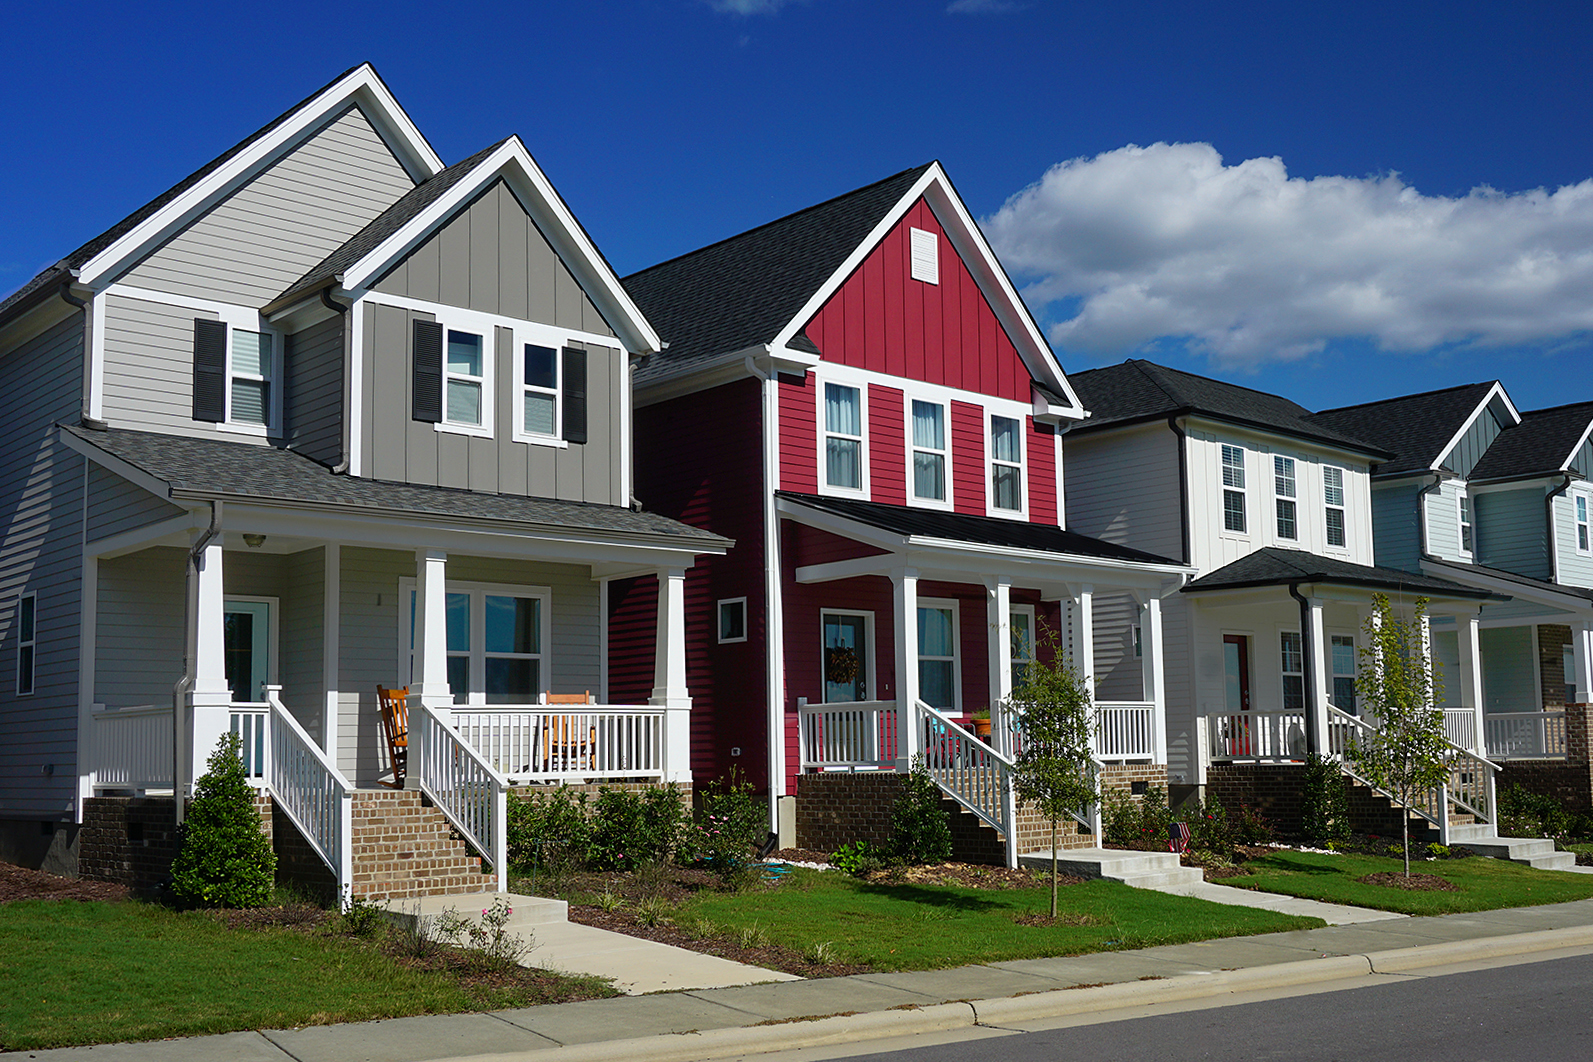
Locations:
(20, 883)
(969, 876)
(1393, 879)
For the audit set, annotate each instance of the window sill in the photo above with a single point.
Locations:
(258, 430)
(475, 431)
(1008, 514)
(828, 491)
(542, 440)
(930, 503)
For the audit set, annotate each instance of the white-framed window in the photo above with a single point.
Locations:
(844, 457)
(1467, 534)
(733, 620)
(467, 394)
(27, 641)
(1333, 503)
(1292, 667)
(1584, 542)
(924, 247)
(253, 375)
(539, 391)
(1233, 488)
(929, 453)
(496, 641)
(939, 684)
(1006, 464)
(1021, 643)
(1139, 642)
(1283, 490)
(1341, 647)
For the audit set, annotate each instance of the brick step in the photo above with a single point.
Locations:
(405, 848)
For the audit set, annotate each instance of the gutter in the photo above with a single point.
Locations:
(180, 688)
(1550, 529)
(1313, 739)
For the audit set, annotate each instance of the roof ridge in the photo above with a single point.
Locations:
(1144, 368)
(1220, 383)
(783, 218)
(1405, 398)
(1525, 413)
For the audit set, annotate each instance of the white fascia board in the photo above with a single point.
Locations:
(982, 263)
(171, 531)
(519, 170)
(1081, 568)
(758, 361)
(132, 473)
(40, 318)
(362, 86)
(1495, 393)
(1470, 576)
(867, 534)
(1503, 485)
(1581, 441)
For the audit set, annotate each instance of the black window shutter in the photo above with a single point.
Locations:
(428, 374)
(210, 370)
(574, 395)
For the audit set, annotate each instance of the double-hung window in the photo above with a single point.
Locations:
(1283, 489)
(27, 641)
(1466, 530)
(539, 380)
(1584, 543)
(929, 451)
(1333, 502)
(937, 654)
(843, 437)
(1293, 669)
(464, 378)
(1006, 464)
(237, 371)
(1342, 650)
(1233, 488)
(496, 642)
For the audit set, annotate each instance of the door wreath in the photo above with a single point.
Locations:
(841, 665)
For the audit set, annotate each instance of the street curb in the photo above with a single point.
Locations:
(1054, 1003)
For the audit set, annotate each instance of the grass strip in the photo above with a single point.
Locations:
(1484, 884)
(924, 927)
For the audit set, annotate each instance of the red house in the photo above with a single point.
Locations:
(858, 397)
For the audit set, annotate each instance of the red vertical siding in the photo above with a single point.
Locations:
(887, 448)
(968, 458)
(1041, 471)
(884, 320)
(799, 467)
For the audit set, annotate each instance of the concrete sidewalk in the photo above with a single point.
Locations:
(733, 1021)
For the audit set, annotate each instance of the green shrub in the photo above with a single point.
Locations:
(225, 859)
(728, 830)
(1136, 822)
(630, 828)
(1324, 802)
(1523, 813)
(1252, 827)
(920, 827)
(553, 832)
(1210, 829)
(858, 859)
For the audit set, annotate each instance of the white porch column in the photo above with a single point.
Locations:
(210, 700)
(1083, 617)
(1154, 681)
(669, 674)
(1582, 660)
(331, 628)
(998, 601)
(904, 589)
(429, 685)
(1470, 678)
(1316, 659)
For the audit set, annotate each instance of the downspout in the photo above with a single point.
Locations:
(773, 628)
(1421, 516)
(1183, 483)
(341, 468)
(180, 688)
(65, 292)
(1313, 740)
(1553, 531)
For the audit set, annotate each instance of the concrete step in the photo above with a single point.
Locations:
(1148, 870)
(1515, 849)
(529, 912)
(1476, 831)
(1554, 861)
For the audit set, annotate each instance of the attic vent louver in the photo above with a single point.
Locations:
(926, 256)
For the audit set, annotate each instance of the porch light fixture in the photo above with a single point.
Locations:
(254, 541)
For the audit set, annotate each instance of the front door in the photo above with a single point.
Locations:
(845, 657)
(246, 642)
(1236, 676)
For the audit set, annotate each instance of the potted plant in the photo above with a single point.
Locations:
(981, 724)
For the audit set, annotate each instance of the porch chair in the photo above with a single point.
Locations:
(563, 745)
(394, 705)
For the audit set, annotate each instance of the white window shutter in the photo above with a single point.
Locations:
(926, 256)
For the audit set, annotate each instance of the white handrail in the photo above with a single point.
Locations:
(131, 748)
(461, 782)
(1125, 730)
(969, 771)
(847, 735)
(1256, 735)
(1470, 786)
(1526, 735)
(544, 744)
(311, 791)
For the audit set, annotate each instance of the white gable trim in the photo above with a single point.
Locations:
(1497, 391)
(1580, 442)
(981, 261)
(362, 87)
(536, 193)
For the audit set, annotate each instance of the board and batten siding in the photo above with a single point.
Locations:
(1396, 529)
(41, 495)
(405, 450)
(1575, 567)
(116, 506)
(1473, 443)
(251, 246)
(1510, 531)
(1123, 487)
(313, 399)
(491, 257)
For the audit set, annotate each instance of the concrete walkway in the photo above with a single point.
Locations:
(1334, 914)
(736, 1021)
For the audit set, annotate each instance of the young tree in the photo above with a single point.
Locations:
(1057, 720)
(1407, 754)
(225, 859)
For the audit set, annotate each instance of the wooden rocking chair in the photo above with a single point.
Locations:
(394, 706)
(563, 744)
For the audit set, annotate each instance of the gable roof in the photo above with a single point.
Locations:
(359, 84)
(1417, 429)
(1137, 391)
(1271, 566)
(1545, 442)
(760, 288)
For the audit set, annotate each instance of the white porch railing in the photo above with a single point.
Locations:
(970, 772)
(461, 782)
(1125, 730)
(132, 748)
(538, 744)
(250, 723)
(1460, 728)
(856, 735)
(311, 791)
(1260, 737)
(1525, 735)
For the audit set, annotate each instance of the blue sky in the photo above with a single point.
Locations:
(1337, 204)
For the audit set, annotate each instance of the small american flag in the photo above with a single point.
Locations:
(1178, 837)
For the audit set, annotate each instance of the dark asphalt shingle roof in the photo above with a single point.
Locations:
(983, 530)
(1540, 444)
(1512, 577)
(61, 270)
(1277, 567)
(743, 290)
(386, 223)
(1140, 390)
(1415, 428)
(264, 473)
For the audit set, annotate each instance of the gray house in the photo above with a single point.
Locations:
(324, 416)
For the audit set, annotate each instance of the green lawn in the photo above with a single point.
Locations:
(918, 927)
(1485, 884)
(82, 973)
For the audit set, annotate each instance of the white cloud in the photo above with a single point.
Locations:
(747, 7)
(983, 7)
(1249, 265)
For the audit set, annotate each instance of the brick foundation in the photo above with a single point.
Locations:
(1570, 781)
(1276, 790)
(133, 840)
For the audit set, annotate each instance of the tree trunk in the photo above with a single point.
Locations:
(1053, 869)
(1404, 822)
